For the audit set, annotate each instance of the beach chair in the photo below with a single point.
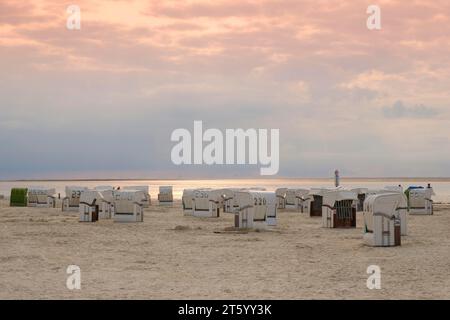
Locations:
(207, 202)
(165, 196)
(106, 202)
(382, 221)
(339, 209)
(71, 202)
(89, 206)
(186, 201)
(229, 199)
(41, 197)
(127, 206)
(402, 210)
(295, 199)
(18, 197)
(420, 201)
(147, 201)
(257, 209)
(281, 196)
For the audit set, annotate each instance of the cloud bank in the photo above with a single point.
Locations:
(102, 101)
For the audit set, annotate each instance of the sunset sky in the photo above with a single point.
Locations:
(101, 102)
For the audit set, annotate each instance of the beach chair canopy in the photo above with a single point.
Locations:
(360, 190)
(165, 189)
(91, 197)
(41, 191)
(331, 197)
(104, 188)
(292, 194)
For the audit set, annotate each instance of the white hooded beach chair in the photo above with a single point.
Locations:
(147, 202)
(71, 202)
(257, 209)
(382, 222)
(41, 197)
(90, 203)
(420, 201)
(295, 198)
(402, 210)
(339, 209)
(229, 199)
(127, 206)
(165, 196)
(207, 202)
(281, 196)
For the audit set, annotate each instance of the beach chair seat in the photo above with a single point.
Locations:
(361, 193)
(313, 201)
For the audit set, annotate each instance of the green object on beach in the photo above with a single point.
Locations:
(18, 197)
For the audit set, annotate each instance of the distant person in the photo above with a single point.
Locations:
(429, 186)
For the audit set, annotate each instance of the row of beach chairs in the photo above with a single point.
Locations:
(102, 202)
(385, 211)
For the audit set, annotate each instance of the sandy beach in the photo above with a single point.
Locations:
(170, 256)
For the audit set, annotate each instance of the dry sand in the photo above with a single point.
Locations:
(170, 256)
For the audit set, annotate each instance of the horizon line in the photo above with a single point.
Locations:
(254, 178)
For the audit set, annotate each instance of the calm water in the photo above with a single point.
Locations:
(441, 186)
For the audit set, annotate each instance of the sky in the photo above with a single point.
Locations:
(102, 101)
